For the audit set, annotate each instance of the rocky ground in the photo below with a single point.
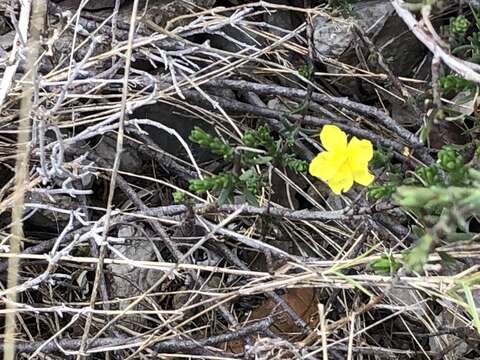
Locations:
(157, 197)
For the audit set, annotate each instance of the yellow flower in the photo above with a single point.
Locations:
(343, 162)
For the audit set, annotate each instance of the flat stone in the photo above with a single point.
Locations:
(332, 36)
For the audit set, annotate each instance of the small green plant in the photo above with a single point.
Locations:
(385, 189)
(306, 71)
(385, 265)
(444, 208)
(453, 163)
(457, 33)
(453, 82)
(471, 306)
(242, 176)
(441, 197)
(212, 143)
(464, 40)
(459, 25)
(415, 258)
(449, 170)
(178, 197)
(427, 175)
(212, 183)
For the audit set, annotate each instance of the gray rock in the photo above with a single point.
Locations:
(474, 3)
(444, 320)
(130, 160)
(45, 220)
(399, 47)
(332, 36)
(240, 41)
(179, 121)
(335, 38)
(92, 5)
(4, 26)
(161, 11)
(6, 40)
(128, 281)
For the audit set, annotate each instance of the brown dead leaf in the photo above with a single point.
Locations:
(301, 300)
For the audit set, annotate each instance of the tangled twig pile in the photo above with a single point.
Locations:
(97, 109)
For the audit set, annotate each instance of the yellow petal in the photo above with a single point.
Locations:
(333, 138)
(321, 166)
(342, 181)
(359, 152)
(363, 177)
